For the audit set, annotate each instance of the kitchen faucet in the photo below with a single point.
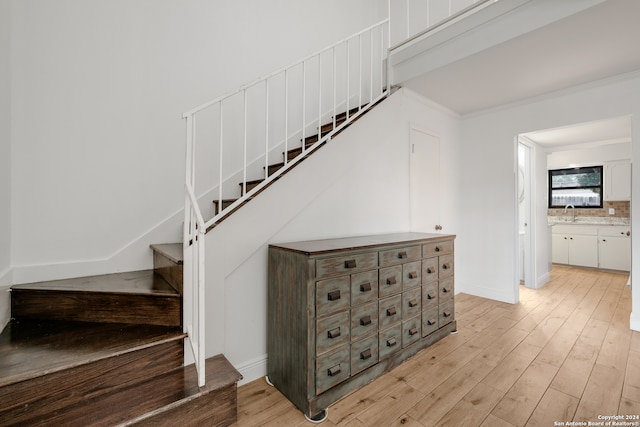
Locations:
(574, 211)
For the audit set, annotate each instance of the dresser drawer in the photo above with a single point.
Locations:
(411, 330)
(447, 313)
(399, 255)
(430, 321)
(364, 353)
(390, 310)
(411, 274)
(332, 331)
(446, 290)
(346, 264)
(364, 287)
(430, 270)
(364, 320)
(436, 249)
(445, 266)
(332, 295)
(390, 340)
(390, 281)
(332, 368)
(411, 303)
(430, 296)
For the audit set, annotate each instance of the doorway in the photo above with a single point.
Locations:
(526, 223)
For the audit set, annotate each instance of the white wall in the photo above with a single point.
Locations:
(5, 159)
(485, 247)
(364, 191)
(98, 92)
(5, 138)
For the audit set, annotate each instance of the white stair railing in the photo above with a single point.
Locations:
(411, 18)
(245, 131)
(241, 133)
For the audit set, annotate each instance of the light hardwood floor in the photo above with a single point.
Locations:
(564, 353)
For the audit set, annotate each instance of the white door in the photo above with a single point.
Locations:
(425, 181)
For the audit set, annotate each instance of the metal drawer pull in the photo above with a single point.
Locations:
(430, 270)
(334, 333)
(413, 303)
(365, 287)
(366, 320)
(431, 296)
(413, 275)
(446, 266)
(333, 371)
(391, 281)
(391, 342)
(446, 313)
(334, 295)
(437, 248)
(391, 311)
(402, 255)
(431, 322)
(350, 263)
(365, 354)
(413, 331)
(444, 290)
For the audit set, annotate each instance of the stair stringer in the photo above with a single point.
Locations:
(357, 184)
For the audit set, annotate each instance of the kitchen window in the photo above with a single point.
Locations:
(580, 187)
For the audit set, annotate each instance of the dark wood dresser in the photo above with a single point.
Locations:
(341, 312)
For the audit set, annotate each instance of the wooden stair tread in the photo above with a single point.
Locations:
(161, 396)
(173, 251)
(30, 348)
(134, 282)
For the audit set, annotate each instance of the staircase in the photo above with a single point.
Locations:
(297, 154)
(108, 350)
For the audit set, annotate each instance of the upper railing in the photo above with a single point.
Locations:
(239, 136)
(411, 18)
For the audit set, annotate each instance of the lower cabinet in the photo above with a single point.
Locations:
(342, 312)
(614, 248)
(606, 247)
(577, 245)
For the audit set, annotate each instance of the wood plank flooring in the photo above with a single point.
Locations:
(564, 353)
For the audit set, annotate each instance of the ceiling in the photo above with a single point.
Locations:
(594, 44)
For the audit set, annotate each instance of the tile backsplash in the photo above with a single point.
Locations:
(623, 210)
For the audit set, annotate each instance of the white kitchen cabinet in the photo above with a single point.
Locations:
(575, 245)
(617, 180)
(559, 248)
(614, 248)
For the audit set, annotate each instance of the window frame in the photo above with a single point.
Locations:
(600, 187)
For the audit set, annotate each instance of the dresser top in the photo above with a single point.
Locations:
(310, 247)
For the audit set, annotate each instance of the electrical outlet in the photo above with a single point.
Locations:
(612, 211)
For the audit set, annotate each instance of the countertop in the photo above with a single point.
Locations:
(588, 220)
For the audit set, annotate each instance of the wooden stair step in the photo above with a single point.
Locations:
(170, 399)
(134, 297)
(250, 185)
(168, 263)
(46, 366)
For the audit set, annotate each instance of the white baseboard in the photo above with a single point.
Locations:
(543, 280)
(634, 321)
(488, 293)
(5, 306)
(253, 369)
